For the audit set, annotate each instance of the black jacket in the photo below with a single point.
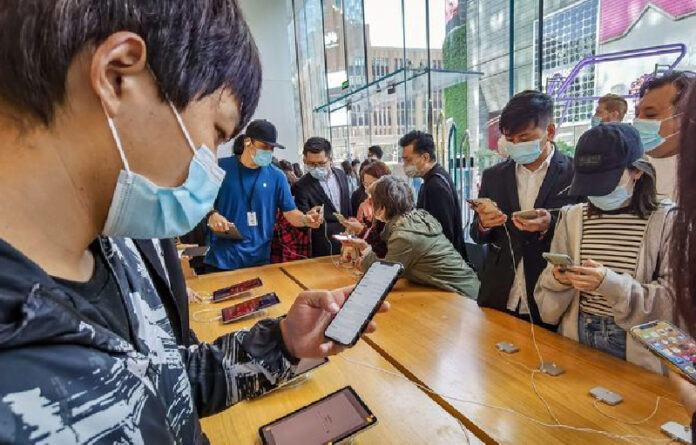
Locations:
(499, 183)
(438, 196)
(308, 194)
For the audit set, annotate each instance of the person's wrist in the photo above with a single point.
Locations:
(304, 220)
(285, 336)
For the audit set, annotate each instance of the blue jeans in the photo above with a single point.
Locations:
(602, 333)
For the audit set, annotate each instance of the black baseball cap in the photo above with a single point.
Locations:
(601, 156)
(263, 131)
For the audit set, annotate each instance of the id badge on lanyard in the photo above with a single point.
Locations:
(252, 220)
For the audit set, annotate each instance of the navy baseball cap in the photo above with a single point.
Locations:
(601, 156)
(263, 131)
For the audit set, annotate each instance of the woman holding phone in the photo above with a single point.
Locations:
(618, 243)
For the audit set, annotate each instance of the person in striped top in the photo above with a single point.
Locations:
(619, 242)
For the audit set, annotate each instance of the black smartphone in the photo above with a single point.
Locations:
(241, 310)
(228, 292)
(232, 233)
(192, 252)
(329, 420)
(363, 303)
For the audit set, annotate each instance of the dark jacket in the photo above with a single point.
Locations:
(308, 194)
(416, 241)
(499, 183)
(356, 199)
(77, 382)
(438, 196)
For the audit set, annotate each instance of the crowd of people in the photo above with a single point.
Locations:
(95, 343)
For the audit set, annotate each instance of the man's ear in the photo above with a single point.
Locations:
(551, 131)
(121, 57)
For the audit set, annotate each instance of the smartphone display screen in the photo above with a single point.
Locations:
(248, 307)
(363, 302)
(671, 344)
(195, 251)
(231, 291)
(326, 421)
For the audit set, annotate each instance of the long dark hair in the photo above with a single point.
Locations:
(644, 200)
(683, 253)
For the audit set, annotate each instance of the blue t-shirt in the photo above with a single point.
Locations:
(265, 189)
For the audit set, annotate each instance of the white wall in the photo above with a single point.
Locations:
(269, 21)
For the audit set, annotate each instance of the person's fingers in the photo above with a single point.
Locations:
(371, 327)
(591, 263)
(330, 348)
(384, 307)
(320, 299)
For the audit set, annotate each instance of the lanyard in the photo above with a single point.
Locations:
(253, 187)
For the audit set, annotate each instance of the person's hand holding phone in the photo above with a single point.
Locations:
(310, 315)
(315, 217)
(353, 226)
(490, 216)
(358, 243)
(218, 223)
(541, 223)
(560, 274)
(588, 277)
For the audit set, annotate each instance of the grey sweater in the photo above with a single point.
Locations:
(647, 297)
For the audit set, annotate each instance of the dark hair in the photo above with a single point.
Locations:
(614, 102)
(683, 240)
(363, 166)
(644, 200)
(285, 165)
(526, 108)
(392, 194)
(317, 145)
(376, 169)
(297, 169)
(354, 162)
(376, 150)
(345, 165)
(422, 143)
(238, 145)
(193, 48)
(680, 79)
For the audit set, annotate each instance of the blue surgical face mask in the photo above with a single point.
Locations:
(318, 173)
(649, 131)
(614, 200)
(594, 121)
(140, 209)
(263, 158)
(522, 152)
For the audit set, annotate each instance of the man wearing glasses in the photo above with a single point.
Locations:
(250, 194)
(323, 187)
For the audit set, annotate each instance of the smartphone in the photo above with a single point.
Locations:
(525, 214)
(340, 218)
(241, 310)
(231, 291)
(483, 204)
(231, 233)
(329, 420)
(305, 366)
(344, 237)
(558, 259)
(363, 303)
(669, 343)
(195, 251)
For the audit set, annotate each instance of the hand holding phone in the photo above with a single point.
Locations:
(232, 233)
(536, 220)
(488, 213)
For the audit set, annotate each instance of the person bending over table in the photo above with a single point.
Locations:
(619, 241)
(105, 124)
(415, 239)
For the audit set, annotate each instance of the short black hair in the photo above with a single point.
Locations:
(285, 165)
(526, 108)
(238, 145)
(422, 143)
(194, 48)
(317, 145)
(355, 162)
(376, 150)
(680, 79)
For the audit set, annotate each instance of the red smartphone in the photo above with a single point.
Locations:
(226, 293)
(241, 310)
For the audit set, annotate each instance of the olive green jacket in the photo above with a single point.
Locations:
(416, 241)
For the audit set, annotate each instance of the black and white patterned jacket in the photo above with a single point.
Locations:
(66, 380)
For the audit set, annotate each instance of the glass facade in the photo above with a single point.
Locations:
(368, 71)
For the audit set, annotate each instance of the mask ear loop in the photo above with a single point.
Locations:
(182, 126)
(196, 316)
(117, 138)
